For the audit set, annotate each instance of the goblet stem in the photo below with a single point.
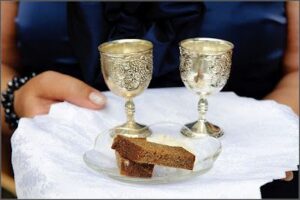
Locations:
(201, 127)
(130, 110)
(131, 128)
(202, 109)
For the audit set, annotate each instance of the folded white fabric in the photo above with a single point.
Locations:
(261, 142)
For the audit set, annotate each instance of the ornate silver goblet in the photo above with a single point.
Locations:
(205, 65)
(127, 70)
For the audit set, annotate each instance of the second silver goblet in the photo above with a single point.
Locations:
(204, 67)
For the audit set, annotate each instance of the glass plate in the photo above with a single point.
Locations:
(206, 149)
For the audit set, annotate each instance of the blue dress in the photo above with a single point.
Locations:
(64, 36)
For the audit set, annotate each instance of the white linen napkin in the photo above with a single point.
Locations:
(261, 142)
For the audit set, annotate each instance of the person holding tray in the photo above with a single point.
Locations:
(58, 41)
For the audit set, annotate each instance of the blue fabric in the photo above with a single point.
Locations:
(43, 37)
(74, 31)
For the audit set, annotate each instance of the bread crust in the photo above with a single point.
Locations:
(133, 169)
(143, 152)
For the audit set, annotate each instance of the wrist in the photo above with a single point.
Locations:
(7, 100)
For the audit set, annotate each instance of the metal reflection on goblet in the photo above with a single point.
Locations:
(205, 65)
(126, 66)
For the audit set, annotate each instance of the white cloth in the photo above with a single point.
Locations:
(261, 142)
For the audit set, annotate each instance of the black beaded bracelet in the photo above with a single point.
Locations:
(7, 99)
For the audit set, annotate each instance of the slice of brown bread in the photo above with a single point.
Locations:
(142, 151)
(130, 168)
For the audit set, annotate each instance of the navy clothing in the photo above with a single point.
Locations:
(65, 36)
(43, 37)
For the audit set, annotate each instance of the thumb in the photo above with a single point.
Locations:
(66, 88)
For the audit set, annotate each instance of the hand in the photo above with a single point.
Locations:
(36, 96)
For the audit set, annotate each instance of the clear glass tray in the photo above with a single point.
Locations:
(206, 149)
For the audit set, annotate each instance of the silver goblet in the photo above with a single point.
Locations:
(205, 65)
(127, 70)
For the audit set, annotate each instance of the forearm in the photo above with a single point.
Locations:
(7, 74)
(287, 91)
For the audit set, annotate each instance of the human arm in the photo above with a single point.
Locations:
(9, 54)
(287, 90)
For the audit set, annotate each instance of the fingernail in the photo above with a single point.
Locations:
(97, 98)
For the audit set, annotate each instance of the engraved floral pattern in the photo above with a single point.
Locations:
(218, 66)
(131, 71)
(185, 64)
(220, 69)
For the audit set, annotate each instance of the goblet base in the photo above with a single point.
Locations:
(199, 129)
(132, 129)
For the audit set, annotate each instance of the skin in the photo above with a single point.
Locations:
(287, 90)
(36, 96)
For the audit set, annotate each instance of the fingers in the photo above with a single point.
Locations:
(288, 176)
(59, 87)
